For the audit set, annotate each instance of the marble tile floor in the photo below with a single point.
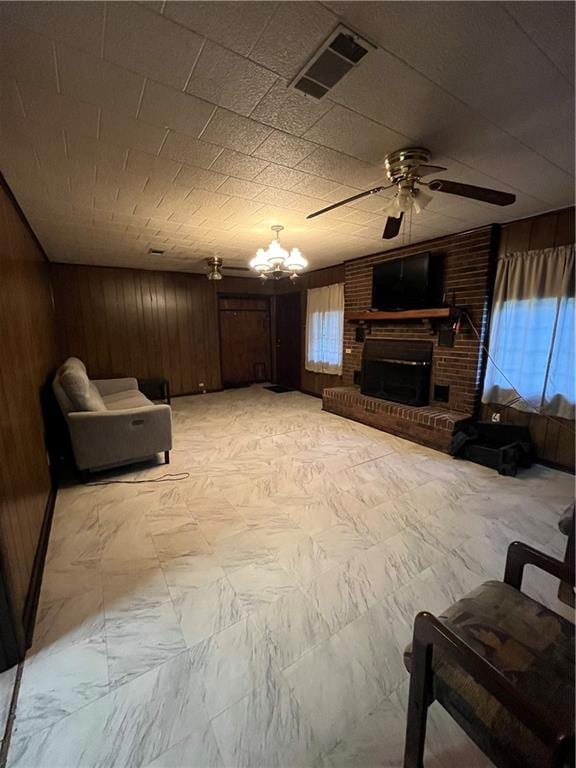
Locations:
(254, 614)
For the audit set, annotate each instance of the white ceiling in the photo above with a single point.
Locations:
(130, 126)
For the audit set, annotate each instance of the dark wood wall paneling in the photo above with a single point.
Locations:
(127, 322)
(28, 356)
(468, 260)
(553, 438)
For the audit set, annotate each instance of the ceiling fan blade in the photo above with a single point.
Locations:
(392, 226)
(427, 170)
(347, 200)
(493, 196)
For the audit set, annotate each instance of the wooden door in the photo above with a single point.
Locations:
(245, 340)
(288, 340)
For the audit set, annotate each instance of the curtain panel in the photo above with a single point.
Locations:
(325, 329)
(532, 338)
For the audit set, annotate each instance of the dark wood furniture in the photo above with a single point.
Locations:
(449, 653)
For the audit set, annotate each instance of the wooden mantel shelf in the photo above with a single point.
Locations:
(406, 314)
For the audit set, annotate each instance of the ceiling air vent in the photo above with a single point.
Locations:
(340, 53)
(155, 252)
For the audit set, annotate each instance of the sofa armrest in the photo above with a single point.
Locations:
(104, 438)
(111, 386)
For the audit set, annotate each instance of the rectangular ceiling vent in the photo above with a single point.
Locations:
(155, 252)
(340, 53)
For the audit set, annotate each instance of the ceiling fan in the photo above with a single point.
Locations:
(405, 168)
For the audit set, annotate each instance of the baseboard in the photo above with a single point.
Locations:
(33, 596)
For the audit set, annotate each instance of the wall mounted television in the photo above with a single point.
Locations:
(414, 282)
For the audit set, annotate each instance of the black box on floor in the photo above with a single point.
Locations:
(504, 447)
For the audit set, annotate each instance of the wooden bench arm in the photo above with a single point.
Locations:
(431, 634)
(519, 555)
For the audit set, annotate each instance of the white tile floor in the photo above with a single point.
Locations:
(255, 613)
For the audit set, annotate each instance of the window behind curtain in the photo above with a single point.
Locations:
(532, 336)
(325, 329)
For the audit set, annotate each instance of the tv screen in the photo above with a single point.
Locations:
(411, 283)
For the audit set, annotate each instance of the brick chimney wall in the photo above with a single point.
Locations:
(468, 268)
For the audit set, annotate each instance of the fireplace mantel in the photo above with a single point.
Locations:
(437, 313)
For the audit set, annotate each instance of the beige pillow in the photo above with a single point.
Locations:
(81, 392)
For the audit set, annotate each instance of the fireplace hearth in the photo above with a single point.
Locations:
(397, 370)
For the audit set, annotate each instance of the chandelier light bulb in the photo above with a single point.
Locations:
(276, 262)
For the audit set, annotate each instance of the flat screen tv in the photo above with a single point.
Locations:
(414, 282)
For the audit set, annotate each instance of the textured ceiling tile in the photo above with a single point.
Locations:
(288, 109)
(237, 164)
(83, 149)
(199, 177)
(233, 24)
(292, 37)
(59, 111)
(170, 108)
(78, 23)
(235, 132)
(229, 80)
(347, 170)
(315, 186)
(150, 44)
(151, 165)
(240, 188)
(541, 21)
(502, 85)
(189, 150)
(89, 78)
(27, 57)
(355, 135)
(279, 176)
(131, 133)
(284, 149)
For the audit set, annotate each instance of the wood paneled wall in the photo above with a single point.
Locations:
(127, 322)
(27, 355)
(553, 438)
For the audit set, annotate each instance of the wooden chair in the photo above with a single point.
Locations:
(502, 665)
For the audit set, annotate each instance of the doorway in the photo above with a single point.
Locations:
(288, 340)
(245, 340)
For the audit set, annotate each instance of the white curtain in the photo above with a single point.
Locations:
(325, 329)
(532, 338)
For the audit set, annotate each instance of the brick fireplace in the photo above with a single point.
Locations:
(455, 372)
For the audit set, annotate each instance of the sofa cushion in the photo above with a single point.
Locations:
(531, 645)
(79, 389)
(131, 399)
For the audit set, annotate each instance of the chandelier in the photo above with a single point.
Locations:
(276, 262)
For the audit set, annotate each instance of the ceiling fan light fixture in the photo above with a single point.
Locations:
(420, 200)
(215, 265)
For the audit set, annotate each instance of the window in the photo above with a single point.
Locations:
(532, 338)
(325, 329)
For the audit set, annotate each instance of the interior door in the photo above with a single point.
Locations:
(245, 340)
(288, 340)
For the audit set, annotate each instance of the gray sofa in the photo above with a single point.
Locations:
(110, 421)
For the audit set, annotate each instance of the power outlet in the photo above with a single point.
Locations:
(202, 387)
(496, 417)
